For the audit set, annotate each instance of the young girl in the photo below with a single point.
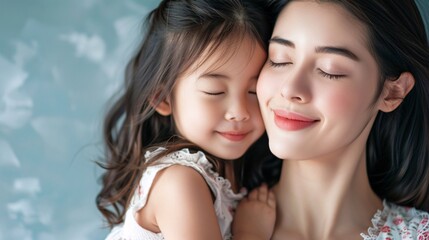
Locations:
(177, 137)
(345, 100)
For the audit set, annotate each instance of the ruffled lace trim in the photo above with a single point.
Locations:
(199, 158)
(378, 220)
(405, 222)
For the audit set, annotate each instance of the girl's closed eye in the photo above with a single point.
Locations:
(251, 89)
(213, 93)
(211, 86)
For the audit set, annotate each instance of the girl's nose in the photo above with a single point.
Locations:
(237, 112)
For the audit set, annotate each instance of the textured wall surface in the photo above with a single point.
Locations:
(60, 61)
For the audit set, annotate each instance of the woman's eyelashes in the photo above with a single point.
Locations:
(278, 64)
(320, 71)
(330, 76)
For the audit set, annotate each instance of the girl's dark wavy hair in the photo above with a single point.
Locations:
(177, 33)
(398, 145)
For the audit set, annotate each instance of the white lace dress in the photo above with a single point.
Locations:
(225, 199)
(398, 223)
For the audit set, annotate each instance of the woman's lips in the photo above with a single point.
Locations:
(291, 121)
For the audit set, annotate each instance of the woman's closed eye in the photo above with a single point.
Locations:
(330, 76)
(278, 64)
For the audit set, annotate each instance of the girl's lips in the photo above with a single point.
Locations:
(292, 121)
(233, 136)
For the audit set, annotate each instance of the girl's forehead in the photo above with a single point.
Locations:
(217, 54)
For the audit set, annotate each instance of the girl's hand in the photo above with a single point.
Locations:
(255, 215)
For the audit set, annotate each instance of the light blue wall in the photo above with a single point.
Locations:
(60, 61)
(424, 10)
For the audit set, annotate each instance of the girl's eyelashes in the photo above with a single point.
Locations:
(213, 93)
(330, 76)
(220, 93)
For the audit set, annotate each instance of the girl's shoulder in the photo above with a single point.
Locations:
(398, 222)
(182, 157)
(219, 186)
(178, 179)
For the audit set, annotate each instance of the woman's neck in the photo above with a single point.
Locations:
(325, 198)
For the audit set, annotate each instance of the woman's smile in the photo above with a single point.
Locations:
(292, 121)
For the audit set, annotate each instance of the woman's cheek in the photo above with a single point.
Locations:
(265, 88)
(341, 104)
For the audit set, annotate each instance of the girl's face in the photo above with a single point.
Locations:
(318, 86)
(215, 105)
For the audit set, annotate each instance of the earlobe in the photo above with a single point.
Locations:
(395, 91)
(163, 107)
(161, 104)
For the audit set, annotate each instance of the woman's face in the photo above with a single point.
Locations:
(317, 90)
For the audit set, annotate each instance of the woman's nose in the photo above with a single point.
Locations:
(295, 87)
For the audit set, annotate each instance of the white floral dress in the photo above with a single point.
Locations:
(398, 223)
(225, 199)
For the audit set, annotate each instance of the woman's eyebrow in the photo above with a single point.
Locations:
(321, 49)
(337, 50)
(282, 41)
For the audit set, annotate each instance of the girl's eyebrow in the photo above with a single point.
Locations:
(322, 49)
(214, 76)
(221, 76)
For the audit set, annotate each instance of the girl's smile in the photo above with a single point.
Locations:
(234, 136)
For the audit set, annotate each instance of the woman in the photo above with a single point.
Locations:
(345, 100)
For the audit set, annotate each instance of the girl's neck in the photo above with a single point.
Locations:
(325, 198)
(230, 174)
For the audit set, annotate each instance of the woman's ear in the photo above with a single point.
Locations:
(395, 91)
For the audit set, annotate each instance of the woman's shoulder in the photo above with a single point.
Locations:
(399, 222)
